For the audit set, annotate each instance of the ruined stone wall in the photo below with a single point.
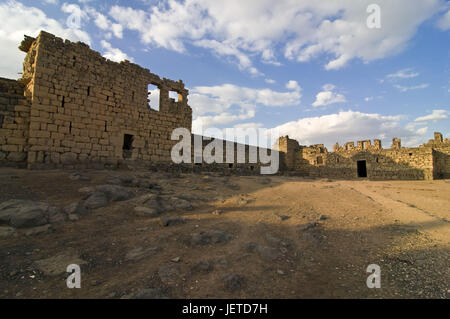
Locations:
(395, 163)
(441, 155)
(14, 123)
(404, 163)
(85, 108)
(242, 161)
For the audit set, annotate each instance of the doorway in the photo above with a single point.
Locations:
(361, 168)
(127, 147)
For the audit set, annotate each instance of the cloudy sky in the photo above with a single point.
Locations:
(316, 70)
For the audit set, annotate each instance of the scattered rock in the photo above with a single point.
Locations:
(75, 208)
(39, 230)
(25, 213)
(96, 200)
(309, 226)
(56, 216)
(176, 259)
(268, 253)
(101, 195)
(172, 220)
(6, 231)
(58, 264)
(202, 266)
(284, 217)
(217, 212)
(264, 180)
(210, 237)
(73, 217)
(169, 274)
(140, 252)
(280, 272)
(174, 203)
(146, 211)
(233, 282)
(265, 252)
(323, 217)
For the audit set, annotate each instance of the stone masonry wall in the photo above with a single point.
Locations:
(428, 161)
(441, 155)
(14, 123)
(242, 162)
(88, 111)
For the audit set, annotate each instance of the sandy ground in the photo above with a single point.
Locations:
(286, 237)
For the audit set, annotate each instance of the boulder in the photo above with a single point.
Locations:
(210, 237)
(102, 195)
(57, 264)
(172, 220)
(25, 213)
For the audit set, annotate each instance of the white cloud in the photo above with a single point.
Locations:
(114, 54)
(328, 97)
(368, 99)
(346, 126)
(422, 131)
(270, 81)
(403, 74)
(51, 1)
(18, 20)
(444, 22)
(228, 103)
(249, 125)
(409, 88)
(293, 85)
(434, 116)
(300, 30)
(227, 49)
(104, 23)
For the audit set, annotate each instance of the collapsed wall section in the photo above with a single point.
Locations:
(367, 160)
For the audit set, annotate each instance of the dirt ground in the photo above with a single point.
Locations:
(272, 237)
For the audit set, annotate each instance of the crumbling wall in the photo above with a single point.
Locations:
(85, 108)
(441, 155)
(395, 163)
(242, 158)
(14, 123)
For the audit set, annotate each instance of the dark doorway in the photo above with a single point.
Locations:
(362, 169)
(127, 145)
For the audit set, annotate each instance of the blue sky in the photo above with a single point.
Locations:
(314, 70)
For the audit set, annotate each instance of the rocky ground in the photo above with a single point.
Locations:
(157, 235)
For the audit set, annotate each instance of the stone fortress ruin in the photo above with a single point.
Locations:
(73, 108)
